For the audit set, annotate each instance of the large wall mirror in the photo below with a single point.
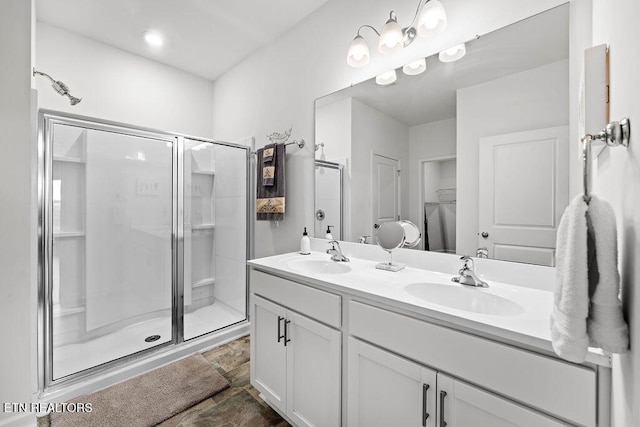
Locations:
(475, 152)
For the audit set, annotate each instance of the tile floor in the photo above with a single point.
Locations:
(237, 406)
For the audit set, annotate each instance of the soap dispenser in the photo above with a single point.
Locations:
(305, 243)
(328, 236)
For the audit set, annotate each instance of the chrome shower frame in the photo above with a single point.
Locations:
(46, 120)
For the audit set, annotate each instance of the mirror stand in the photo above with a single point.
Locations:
(390, 266)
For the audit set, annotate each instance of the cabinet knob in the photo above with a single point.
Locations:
(484, 234)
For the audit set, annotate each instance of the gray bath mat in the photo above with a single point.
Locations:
(148, 399)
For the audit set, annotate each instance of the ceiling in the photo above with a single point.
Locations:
(203, 37)
(533, 42)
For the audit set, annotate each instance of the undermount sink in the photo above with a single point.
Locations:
(319, 267)
(464, 298)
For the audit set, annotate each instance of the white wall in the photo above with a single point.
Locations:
(120, 86)
(333, 129)
(373, 132)
(490, 109)
(17, 216)
(618, 180)
(276, 87)
(427, 141)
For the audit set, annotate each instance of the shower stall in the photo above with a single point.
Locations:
(144, 237)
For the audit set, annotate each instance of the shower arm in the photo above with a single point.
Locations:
(36, 72)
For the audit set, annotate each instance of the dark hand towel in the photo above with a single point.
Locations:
(270, 203)
(269, 151)
(269, 160)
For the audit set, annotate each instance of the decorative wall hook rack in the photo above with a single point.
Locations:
(614, 134)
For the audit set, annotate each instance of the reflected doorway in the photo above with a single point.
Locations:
(438, 204)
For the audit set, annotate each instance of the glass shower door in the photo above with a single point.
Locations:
(215, 236)
(112, 223)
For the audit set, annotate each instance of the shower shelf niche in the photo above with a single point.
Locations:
(68, 220)
(202, 172)
(203, 226)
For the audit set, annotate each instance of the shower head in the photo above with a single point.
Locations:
(59, 87)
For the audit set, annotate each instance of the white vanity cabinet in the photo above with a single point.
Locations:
(354, 361)
(461, 404)
(385, 389)
(296, 360)
(533, 384)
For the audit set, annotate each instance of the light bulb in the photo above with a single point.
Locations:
(453, 53)
(386, 78)
(358, 55)
(433, 19)
(391, 38)
(416, 67)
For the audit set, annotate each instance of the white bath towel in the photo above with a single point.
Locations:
(571, 293)
(606, 326)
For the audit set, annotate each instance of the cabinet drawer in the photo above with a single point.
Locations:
(320, 305)
(559, 388)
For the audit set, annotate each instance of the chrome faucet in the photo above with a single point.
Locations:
(363, 239)
(482, 253)
(336, 252)
(467, 274)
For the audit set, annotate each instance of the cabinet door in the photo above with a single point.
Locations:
(386, 390)
(313, 372)
(463, 405)
(268, 353)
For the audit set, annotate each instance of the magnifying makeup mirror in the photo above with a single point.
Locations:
(412, 234)
(390, 236)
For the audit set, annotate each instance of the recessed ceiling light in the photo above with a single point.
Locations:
(153, 38)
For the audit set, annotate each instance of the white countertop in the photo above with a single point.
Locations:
(529, 327)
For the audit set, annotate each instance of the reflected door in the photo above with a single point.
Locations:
(385, 190)
(523, 191)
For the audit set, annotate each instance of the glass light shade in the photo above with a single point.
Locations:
(433, 19)
(386, 78)
(416, 67)
(453, 53)
(358, 55)
(391, 38)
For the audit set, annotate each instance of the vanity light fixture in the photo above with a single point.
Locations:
(453, 54)
(430, 19)
(153, 38)
(387, 78)
(416, 67)
(391, 39)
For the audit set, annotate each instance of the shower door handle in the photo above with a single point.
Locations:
(280, 335)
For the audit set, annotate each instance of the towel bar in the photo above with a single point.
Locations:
(300, 144)
(283, 137)
(614, 135)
